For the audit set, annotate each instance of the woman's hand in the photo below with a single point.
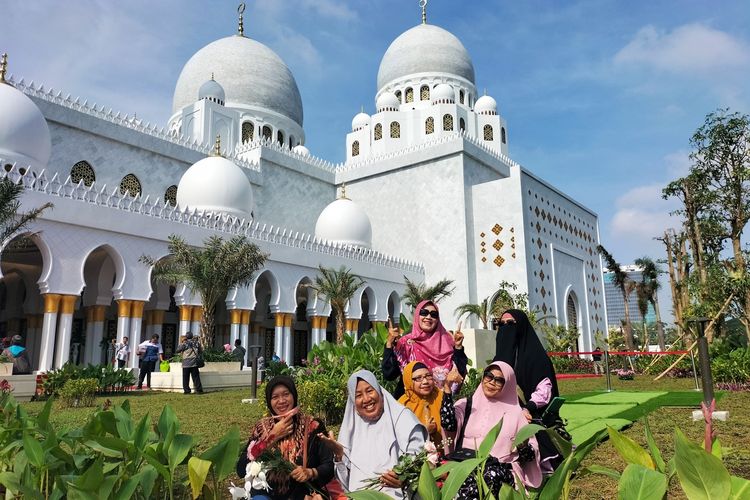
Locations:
(393, 335)
(527, 415)
(390, 479)
(431, 426)
(458, 337)
(453, 377)
(282, 428)
(302, 474)
(333, 445)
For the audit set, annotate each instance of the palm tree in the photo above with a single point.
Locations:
(11, 221)
(210, 271)
(416, 293)
(650, 279)
(338, 286)
(626, 286)
(481, 311)
(642, 294)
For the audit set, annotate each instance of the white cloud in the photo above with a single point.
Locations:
(687, 49)
(331, 8)
(677, 163)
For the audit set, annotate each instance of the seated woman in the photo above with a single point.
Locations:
(296, 436)
(423, 398)
(375, 433)
(495, 398)
(428, 342)
(518, 345)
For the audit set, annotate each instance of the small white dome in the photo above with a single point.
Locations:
(24, 134)
(301, 150)
(387, 102)
(485, 105)
(211, 90)
(215, 184)
(443, 93)
(343, 221)
(361, 120)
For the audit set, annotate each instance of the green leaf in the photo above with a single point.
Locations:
(655, 453)
(671, 468)
(13, 483)
(716, 449)
(556, 485)
(141, 433)
(127, 489)
(446, 468)
(167, 419)
(605, 471)
(108, 446)
(629, 449)
(197, 473)
(42, 420)
(489, 441)
(740, 488)
(457, 477)
(181, 446)
(526, 432)
(33, 450)
(224, 453)
(702, 475)
(91, 479)
(564, 446)
(147, 480)
(123, 422)
(641, 483)
(368, 495)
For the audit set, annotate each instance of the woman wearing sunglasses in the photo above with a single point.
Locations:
(494, 399)
(429, 342)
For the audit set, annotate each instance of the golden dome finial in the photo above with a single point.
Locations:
(3, 67)
(241, 25)
(217, 146)
(423, 4)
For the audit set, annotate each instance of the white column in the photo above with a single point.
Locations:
(279, 339)
(97, 335)
(65, 329)
(186, 312)
(136, 322)
(235, 320)
(34, 337)
(123, 320)
(195, 323)
(49, 331)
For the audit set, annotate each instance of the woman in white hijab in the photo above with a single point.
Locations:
(375, 432)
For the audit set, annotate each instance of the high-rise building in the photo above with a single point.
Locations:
(616, 303)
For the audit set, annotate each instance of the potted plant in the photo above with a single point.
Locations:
(6, 365)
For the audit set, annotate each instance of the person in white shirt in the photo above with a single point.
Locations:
(150, 352)
(122, 353)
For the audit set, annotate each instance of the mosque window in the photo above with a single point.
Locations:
(502, 135)
(429, 125)
(461, 96)
(461, 124)
(395, 130)
(378, 132)
(398, 95)
(82, 171)
(267, 133)
(572, 311)
(424, 93)
(130, 185)
(409, 95)
(170, 195)
(447, 122)
(280, 137)
(355, 148)
(488, 135)
(247, 131)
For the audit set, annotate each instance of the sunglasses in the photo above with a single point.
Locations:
(426, 312)
(491, 378)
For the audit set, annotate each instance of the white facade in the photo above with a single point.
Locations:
(431, 193)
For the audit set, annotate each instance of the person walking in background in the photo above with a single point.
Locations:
(191, 352)
(597, 357)
(239, 353)
(110, 354)
(150, 352)
(122, 353)
(260, 365)
(20, 356)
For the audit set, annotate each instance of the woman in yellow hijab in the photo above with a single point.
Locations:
(423, 398)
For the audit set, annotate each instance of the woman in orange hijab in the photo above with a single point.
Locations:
(423, 398)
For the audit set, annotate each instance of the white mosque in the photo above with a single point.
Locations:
(428, 191)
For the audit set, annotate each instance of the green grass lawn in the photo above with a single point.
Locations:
(209, 416)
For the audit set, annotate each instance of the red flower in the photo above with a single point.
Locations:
(256, 449)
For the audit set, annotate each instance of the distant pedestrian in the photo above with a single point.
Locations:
(261, 367)
(20, 356)
(122, 353)
(598, 369)
(150, 352)
(239, 353)
(191, 352)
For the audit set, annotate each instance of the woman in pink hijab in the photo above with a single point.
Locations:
(429, 343)
(494, 399)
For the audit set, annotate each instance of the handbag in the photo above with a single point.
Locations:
(460, 453)
(199, 361)
(164, 366)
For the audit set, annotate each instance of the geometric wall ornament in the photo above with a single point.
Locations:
(513, 255)
(484, 259)
(498, 261)
(483, 250)
(481, 235)
(497, 228)
(497, 244)
(483, 243)
(541, 259)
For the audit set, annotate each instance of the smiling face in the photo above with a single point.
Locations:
(368, 401)
(422, 382)
(427, 323)
(281, 400)
(493, 382)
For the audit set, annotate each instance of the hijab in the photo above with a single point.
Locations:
(287, 382)
(371, 448)
(519, 346)
(433, 349)
(486, 413)
(422, 407)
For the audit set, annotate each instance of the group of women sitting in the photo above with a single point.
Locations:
(377, 429)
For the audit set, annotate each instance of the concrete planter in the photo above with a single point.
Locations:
(6, 369)
(479, 346)
(221, 367)
(24, 386)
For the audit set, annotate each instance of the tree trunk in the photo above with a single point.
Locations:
(339, 326)
(739, 264)
(207, 326)
(659, 326)
(628, 326)
(646, 342)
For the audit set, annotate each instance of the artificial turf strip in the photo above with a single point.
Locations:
(584, 432)
(578, 414)
(621, 397)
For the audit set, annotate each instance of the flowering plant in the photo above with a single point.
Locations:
(227, 348)
(624, 374)
(408, 469)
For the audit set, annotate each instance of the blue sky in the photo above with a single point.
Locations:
(601, 97)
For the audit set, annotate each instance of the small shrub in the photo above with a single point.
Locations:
(79, 392)
(732, 367)
(217, 356)
(572, 364)
(323, 398)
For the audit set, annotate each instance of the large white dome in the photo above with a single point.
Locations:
(215, 184)
(343, 221)
(250, 73)
(24, 134)
(425, 49)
